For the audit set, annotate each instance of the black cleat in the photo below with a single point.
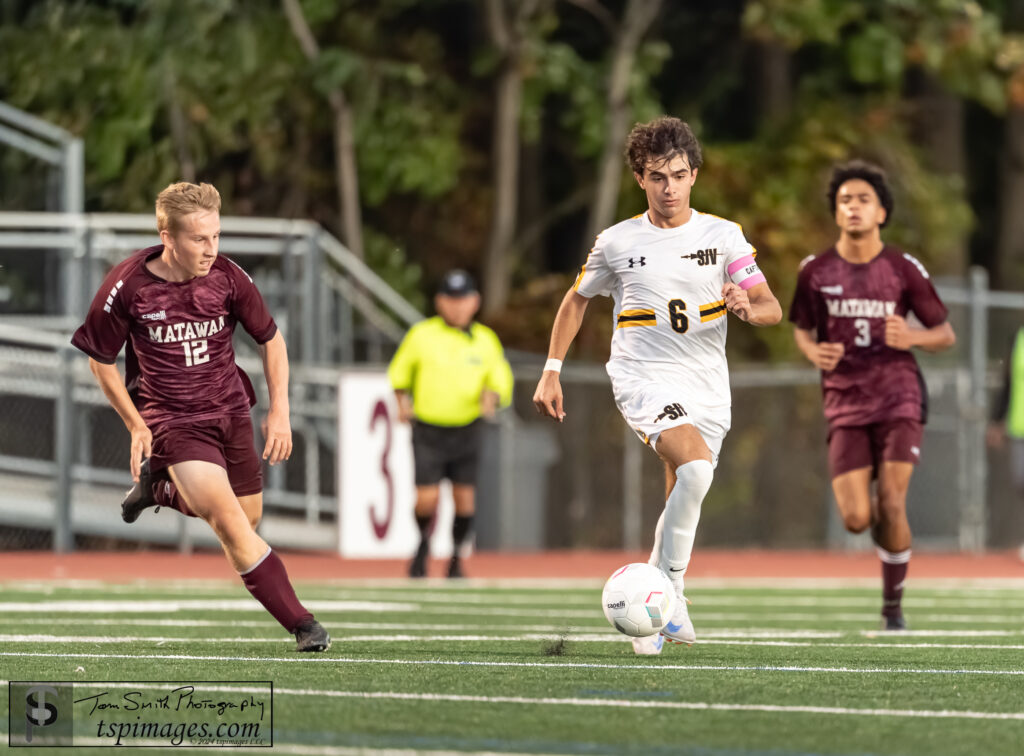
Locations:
(139, 496)
(418, 566)
(893, 622)
(311, 636)
(455, 568)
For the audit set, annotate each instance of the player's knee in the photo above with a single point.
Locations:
(856, 522)
(229, 526)
(254, 519)
(892, 505)
(696, 476)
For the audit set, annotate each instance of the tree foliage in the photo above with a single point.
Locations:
(219, 90)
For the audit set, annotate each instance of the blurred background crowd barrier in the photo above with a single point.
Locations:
(585, 483)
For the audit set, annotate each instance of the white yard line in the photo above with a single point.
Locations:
(608, 702)
(316, 750)
(129, 606)
(541, 599)
(609, 637)
(565, 665)
(718, 632)
(971, 586)
(593, 702)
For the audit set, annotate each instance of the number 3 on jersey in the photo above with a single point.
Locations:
(863, 326)
(195, 352)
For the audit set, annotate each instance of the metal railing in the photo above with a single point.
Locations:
(51, 144)
(332, 307)
(586, 482)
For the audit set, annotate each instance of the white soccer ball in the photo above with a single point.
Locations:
(638, 599)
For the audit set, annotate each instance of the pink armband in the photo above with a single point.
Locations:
(745, 273)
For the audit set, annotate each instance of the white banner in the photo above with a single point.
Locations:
(376, 487)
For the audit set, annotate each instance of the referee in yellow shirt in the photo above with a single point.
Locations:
(448, 372)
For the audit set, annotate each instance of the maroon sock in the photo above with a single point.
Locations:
(894, 572)
(268, 583)
(166, 495)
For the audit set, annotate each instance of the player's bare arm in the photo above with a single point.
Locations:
(488, 403)
(548, 396)
(756, 305)
(824, 355)
(277, 428)
(404, 401)
(112, 383)
(900, 335)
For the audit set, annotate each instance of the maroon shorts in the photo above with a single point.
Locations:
(856, 446)
(225, 441)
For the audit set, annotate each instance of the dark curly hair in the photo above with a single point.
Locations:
(860, 169)
(661, 140)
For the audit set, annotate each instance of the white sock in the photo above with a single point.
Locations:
(681, 515)
(655, 559)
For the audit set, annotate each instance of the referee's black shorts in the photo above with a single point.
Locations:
(442, 452)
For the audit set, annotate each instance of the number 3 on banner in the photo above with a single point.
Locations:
(380, 413)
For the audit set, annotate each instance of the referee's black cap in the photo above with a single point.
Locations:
(457, 283)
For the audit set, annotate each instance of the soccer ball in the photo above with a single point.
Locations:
(638, 599)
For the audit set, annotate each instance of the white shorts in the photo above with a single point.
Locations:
(657, 400)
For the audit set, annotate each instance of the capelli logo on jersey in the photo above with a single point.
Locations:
(162, 315)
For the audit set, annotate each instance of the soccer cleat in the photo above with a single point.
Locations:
(311, 636)
(893, 622)
(140, 496)
(679, 629)
(649, 645)
(455, 568)
(418, 566)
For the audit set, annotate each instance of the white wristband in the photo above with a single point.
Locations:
(553, 364)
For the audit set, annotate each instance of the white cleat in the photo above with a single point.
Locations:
(679, 629)
(649, 645)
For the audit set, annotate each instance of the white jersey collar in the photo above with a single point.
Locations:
(678, 229)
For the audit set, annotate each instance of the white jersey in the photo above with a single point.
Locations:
(666, 284)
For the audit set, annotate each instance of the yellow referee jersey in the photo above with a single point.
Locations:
(447, 369)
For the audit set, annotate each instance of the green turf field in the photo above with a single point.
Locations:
(534, 668)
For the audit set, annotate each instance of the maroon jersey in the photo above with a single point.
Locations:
(180, 360)
(848, 303)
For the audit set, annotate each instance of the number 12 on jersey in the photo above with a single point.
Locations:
(195, 352)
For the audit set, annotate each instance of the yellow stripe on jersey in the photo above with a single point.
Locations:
(630, 318)
(712, 310)
(579, 278)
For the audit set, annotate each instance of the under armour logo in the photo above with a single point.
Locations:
(641, 262)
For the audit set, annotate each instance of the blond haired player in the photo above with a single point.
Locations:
(185, 401)
(673, 274)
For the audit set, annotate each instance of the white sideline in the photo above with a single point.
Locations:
(973, 586)
(623, 703)
(612, 702)
(564, 665)
(542, 599)
(630, 704)
(718, 632)
(602, 637)
(309, 750)
(326, 606)
(177, 605)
